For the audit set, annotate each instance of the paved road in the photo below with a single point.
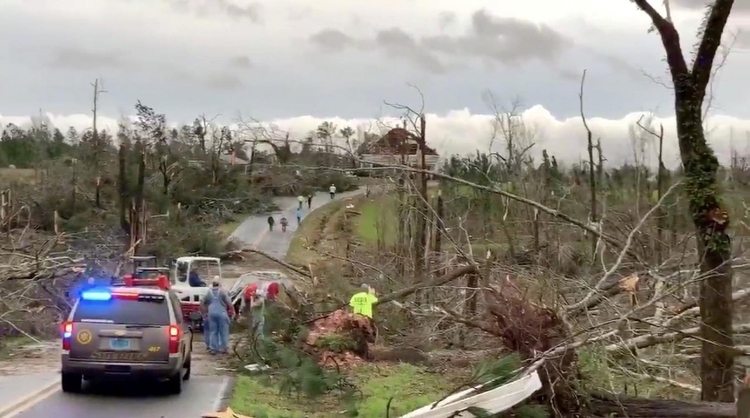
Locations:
(199, 395)
(13, 388)
(254, 233)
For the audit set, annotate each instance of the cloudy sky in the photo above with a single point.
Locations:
(299, 62)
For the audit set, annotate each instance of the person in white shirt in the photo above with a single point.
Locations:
(332, 190)
(301, 200)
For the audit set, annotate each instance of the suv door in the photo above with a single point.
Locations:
(121, 330)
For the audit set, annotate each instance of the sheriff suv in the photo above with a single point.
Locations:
(131, 330)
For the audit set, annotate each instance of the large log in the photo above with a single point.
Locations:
(612, 407)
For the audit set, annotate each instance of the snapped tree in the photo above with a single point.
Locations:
(709, 217)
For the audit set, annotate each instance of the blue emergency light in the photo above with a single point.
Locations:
(96, 295)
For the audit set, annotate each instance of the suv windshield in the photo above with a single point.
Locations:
(119, 311)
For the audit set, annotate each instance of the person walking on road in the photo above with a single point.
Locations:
(332, 191)
(271, 221)
(220, 312)
(301, 200)
(284, 223)
(299, 215)
(309, 201)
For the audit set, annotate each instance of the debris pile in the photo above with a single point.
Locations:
(341, 338)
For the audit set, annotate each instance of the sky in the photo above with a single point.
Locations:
(296, 63)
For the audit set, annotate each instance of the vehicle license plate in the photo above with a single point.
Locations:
(119, 343)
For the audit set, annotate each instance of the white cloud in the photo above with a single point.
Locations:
(175, 55)
(181, 57)
(460, 132)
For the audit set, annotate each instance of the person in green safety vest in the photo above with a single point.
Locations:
(361, 303)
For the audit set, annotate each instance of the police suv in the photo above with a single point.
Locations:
(131, 330)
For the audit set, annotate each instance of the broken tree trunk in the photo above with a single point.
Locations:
(613, 407)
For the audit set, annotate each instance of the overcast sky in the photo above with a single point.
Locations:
(300, 62)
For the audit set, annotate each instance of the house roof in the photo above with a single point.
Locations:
(396, 141)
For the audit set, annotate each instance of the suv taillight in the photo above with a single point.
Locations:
(174, 339)
(67, 333)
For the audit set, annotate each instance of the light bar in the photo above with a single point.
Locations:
(161, 282)
(96, 295)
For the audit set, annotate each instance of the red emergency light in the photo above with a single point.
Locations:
(161, 282)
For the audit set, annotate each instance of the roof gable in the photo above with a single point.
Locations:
(397, 141)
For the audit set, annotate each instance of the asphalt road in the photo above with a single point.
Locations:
(254, 233)
(199, 395)
(13, 388)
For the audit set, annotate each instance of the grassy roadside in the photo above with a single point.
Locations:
(11, 344)
(378, 214)
(376, 221)
(300, 250)
(226, 229)
(411, 387)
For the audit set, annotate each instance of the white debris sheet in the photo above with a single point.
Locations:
(493, 401)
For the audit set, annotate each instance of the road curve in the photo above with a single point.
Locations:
(200, 395)
(254, 233)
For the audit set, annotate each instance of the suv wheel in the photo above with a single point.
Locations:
(174, 384)
(71, 382)
(187, 368)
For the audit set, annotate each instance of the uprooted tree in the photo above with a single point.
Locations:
(548, 332)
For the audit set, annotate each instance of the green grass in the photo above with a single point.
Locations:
(8, 175)
(10, 344)
(225, 230)
(255, 398)
(599, 376)
(410, 386)
(309, 232)
(377, 219)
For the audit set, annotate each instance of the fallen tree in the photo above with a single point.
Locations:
(612, 407)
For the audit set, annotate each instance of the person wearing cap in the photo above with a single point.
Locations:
(254, 304)
(361, 303)
(194, 280)
(219, 311)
